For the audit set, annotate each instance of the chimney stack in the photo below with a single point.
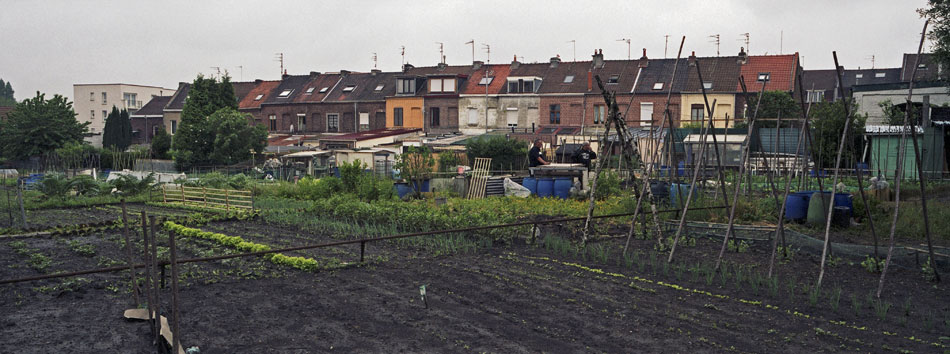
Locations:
(743, 57)
(598, 59)
(314, 74)
(692, 59)
(442, 66)
(555, 60)
(344, 72)
(644, 61)
(375, 71)
(477, 64)
(406, 67)
(515, 63)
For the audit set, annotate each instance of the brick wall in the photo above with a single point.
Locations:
(317, 116)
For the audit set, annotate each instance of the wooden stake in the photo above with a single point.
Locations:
(128, 251)
(692, 187)
(176, 313)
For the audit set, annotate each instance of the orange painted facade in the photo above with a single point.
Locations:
(412, 112)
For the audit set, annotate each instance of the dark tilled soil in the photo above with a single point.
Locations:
(505, 299)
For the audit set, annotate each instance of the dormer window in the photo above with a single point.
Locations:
(568, 79)
(658, 86)
(406, 86)
(285, 93)
(524, 84)
(259, 97)
(922, 66)
(379, 87)
(349, 88)
(764, 77)
(486, 81)
(880, 74)
(441, 85)
(613, 79)
(324, 90)
(707, 85)
(310, 90)
(859, 76)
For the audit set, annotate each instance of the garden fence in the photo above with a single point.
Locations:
(227, 199)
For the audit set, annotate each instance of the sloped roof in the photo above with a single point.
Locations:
(154, 107)
(819, 79)
(242, 88)
(721, 72)
(781, 70)
(930, 71)
(264, 89)
(661, 70)
(498, 73)
(294, 83)
(318, 83)
(177, 102)
(364, 87)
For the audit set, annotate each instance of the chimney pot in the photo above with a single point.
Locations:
(477, 64)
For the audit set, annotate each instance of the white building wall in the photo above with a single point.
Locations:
(89, 104)
(869, 101)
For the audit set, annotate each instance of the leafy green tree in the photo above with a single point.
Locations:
(37, 126)
(775, 104)
(195, 139)
(161, 142)
(6, 94)
(938, 11)
(415, 165)
(234, 140)
(894, 115)
(505, 154)
(118, 130)
(828, 120)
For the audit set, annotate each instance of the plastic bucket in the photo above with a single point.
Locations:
(531, 183)
(545, 187)
(562, 187)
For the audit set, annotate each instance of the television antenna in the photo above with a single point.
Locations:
(488, 51)
(628, 46)
(574, 43)
(280, 57)
(441, 52)
(666, 43)
(374, 60)
(745, 37)
(715, 39)
(472, 42)
(871, 57)
(402, 52)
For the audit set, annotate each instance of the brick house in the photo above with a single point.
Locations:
(478, 98)
(148, 120)
(776, 72)
(251, 102)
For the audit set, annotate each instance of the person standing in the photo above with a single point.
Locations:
(535, 156)
(584, 155)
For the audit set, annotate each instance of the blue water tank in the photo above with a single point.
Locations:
(562, 187)
(402, 189)
(678, 190)
(531, 183)
(844, 200)
(796, 206)
(545, 187)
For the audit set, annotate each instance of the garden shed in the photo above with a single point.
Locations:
(884, 143)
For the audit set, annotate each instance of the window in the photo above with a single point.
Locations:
(448, 85)
(435, 85)
(511, 115)
(333, 122)
(379, 87)
(528, 86)
(815, 96)
(324, 89)
(434, 116)
(523, 85)
(92, 114)
(92, 97)
(922, 66)
(485, 81)
(174, 126)
(301, 121)
(555, 114)
(707, 85)
(472, 116)
(259, 97)
(568, 79)
(129, 99)
(103, 98)
(397, 117)
(349, 88)
(154, 130)
(859, 76)
(310, 90)
(105, 114)
(658, 86)
(364, 121)
(646, 114)
(613, 79)
(880, 74)
(273, 122)
(599, 115)
(285, 93)
(764, 77)
(406, 86)
(696, 112)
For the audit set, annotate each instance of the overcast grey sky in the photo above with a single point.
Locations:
(50, 45)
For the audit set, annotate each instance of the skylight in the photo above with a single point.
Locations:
(613, 79)
(858, 76)
(486, 81)
(764, 76)
(349, 88)
(880, 74)
(259, 97)
(285, 93)
(658, 86)
(380, 87)
(568, 79)
(310, 90)
(324, 89)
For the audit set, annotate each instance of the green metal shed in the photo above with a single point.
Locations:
(884, 147)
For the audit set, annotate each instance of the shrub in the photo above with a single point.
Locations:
(608, 183)
(350, 173)
(86, 186)
(54, 186)
(447, 161)
(505, 154)
(130, 185)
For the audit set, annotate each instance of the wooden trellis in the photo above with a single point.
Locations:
(227, 199)
(476, 188)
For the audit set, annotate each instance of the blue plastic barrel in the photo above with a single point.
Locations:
(545, 187)
(677, 190)
(796, 206)
(531, 183)
(423, 187)
(562, 187)
(844, 200)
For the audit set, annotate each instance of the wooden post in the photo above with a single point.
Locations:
(227, 200)
(182, 194)
(149, 274)
(128, 251)
(176, 313)
(155, 279)
(19, 197)
(9, 204)
(164, 197)
(204, 196)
